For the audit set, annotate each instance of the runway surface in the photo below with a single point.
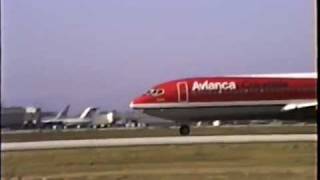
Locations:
(62, 144)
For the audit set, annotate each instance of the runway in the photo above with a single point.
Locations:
(92, 143)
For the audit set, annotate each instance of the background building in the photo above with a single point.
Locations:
(20, 117)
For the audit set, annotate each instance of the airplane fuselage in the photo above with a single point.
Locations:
(231, 97)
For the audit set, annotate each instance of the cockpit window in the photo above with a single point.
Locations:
(155, 92)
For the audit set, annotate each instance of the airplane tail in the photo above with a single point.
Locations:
(63, 113)
(89, 112)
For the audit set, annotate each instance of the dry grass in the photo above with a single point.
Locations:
(206, 161)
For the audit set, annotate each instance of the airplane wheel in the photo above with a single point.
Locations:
(184, 130)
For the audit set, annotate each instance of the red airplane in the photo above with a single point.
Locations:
(240, 97)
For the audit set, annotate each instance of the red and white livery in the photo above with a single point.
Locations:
(264, 96)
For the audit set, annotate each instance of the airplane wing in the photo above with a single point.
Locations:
(51, 121)
(293, 106)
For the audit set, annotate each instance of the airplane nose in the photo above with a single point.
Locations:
(132, 104)
(136, 103)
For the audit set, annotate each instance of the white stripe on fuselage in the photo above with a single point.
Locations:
(219, 103)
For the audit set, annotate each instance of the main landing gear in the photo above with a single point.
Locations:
(184, 130)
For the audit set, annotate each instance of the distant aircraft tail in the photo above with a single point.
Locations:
(63, 113)
(89, 112)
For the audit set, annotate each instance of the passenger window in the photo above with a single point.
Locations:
(160, 91)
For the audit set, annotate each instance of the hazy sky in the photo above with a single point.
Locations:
(106, 52)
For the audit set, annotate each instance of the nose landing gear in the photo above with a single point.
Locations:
(184, 130)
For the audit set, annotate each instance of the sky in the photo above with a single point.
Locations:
(104, 53)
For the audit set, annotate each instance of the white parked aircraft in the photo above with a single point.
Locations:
(61, 121)
(90, 117)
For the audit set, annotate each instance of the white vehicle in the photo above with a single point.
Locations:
(102, 120)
